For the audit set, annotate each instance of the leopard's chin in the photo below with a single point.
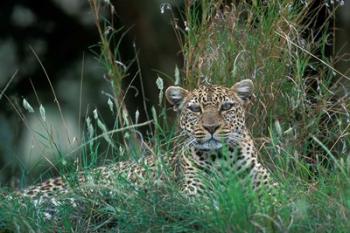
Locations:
(211, 144)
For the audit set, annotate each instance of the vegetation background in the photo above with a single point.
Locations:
(76, 73)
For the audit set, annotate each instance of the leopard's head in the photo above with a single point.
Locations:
(212, 116)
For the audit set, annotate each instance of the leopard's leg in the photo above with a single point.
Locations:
(263, 184)
(191, 184)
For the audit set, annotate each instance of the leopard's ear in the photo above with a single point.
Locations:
(244, 89)
(176, 96)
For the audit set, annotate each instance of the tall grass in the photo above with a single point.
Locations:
(301, 132)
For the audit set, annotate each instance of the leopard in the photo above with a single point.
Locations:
(212, 125)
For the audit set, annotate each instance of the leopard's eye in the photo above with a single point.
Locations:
(195, 108)
(226, 106)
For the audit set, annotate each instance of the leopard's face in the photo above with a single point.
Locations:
(212, 116)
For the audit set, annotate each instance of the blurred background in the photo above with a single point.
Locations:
(62, 35)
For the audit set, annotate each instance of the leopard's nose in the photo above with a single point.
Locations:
(211, 128)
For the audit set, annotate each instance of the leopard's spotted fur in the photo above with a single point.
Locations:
(212, 120)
